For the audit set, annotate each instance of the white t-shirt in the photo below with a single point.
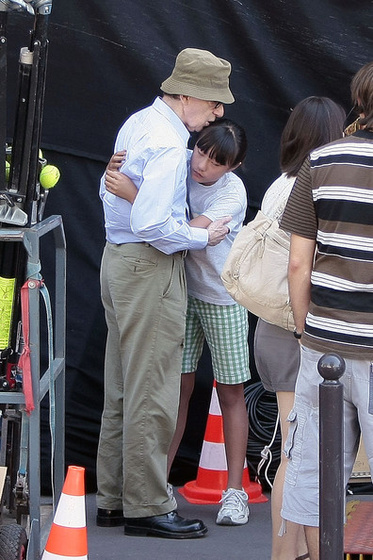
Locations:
(226, 197)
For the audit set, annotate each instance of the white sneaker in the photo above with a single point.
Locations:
(234, 509)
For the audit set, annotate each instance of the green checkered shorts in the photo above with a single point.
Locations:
(225, 329)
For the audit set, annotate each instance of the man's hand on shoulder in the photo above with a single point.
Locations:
(218, 230)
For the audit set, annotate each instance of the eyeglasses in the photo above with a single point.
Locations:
(215, 105)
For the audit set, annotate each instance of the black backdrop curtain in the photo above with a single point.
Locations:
(106, 60)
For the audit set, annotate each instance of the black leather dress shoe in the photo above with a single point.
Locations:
(109, 517)
(169, 526)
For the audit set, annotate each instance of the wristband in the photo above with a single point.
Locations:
(297, 335)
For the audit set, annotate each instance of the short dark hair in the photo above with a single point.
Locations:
(362, 94)
(314, 121)
(225, 142)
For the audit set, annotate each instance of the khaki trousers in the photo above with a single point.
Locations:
(144, 295)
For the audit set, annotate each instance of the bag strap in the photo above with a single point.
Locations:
(283, 197)
(280, 210)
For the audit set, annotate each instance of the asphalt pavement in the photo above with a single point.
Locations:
(249, 542)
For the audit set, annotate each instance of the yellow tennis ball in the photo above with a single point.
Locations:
(49, 176)
(7, 170)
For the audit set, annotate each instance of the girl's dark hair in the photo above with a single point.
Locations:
(314, 121)
(362, 94)
(224, 141)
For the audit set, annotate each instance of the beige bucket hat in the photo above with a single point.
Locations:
(200, 74)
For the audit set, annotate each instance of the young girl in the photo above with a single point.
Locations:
(214, 192)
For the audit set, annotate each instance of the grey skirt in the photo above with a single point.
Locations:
(277, 357)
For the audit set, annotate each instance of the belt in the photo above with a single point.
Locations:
(181, 254)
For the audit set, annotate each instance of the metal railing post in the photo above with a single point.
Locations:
(331, 461)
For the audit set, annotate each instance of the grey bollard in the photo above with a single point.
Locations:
(331, 461)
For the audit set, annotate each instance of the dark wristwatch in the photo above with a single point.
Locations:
(298, 335)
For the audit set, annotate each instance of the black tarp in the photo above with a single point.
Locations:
(106, 60)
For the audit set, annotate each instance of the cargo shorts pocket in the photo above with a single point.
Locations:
(293, 446)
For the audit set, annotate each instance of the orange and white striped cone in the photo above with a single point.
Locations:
(68, 535)
(212, 475)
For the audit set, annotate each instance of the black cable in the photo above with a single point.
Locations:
(262, 413)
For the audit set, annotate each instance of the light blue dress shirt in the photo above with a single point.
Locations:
(155, 139)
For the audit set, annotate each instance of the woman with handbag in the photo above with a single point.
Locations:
(313, 122)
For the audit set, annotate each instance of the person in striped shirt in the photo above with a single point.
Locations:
(330, 217)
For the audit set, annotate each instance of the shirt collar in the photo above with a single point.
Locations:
(162, 107)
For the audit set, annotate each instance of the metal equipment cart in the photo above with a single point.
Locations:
(52, 380)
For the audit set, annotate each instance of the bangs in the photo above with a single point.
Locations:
(223, 141)
(222, 149)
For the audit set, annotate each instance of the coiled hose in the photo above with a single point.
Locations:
(264, 442)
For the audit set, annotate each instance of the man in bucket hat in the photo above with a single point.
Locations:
(144, 295)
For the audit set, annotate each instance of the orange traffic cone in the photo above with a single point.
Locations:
(212, 475)
(68, 536)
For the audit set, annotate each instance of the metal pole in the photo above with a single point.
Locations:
(3, 84)
(331, 462)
